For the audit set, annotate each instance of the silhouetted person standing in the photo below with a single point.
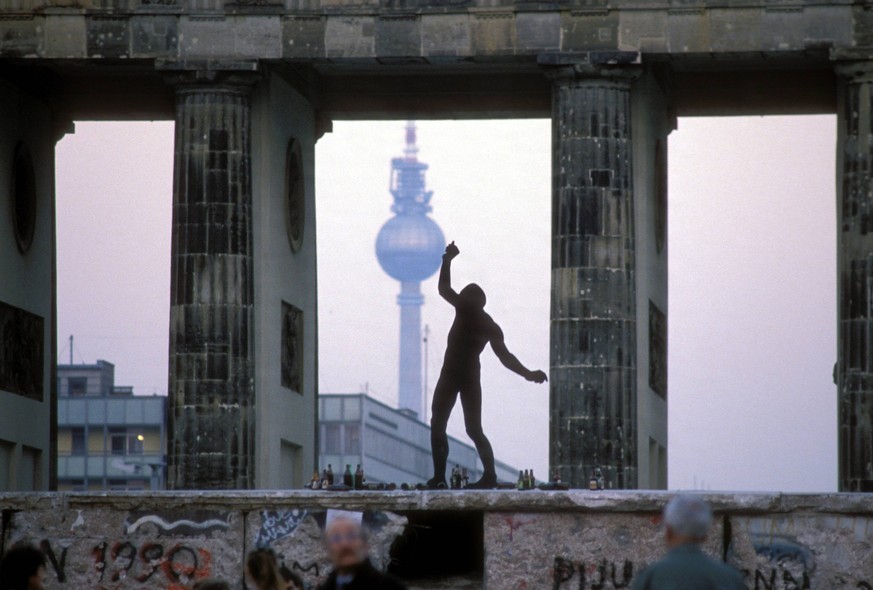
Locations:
(470, 332)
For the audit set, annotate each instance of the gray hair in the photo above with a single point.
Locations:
(688, 516)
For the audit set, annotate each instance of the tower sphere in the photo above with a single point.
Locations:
(410, 247)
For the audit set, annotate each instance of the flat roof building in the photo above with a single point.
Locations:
(391, 445)
(108, 438)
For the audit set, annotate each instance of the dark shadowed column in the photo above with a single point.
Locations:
(593, 398)
(211, 421)
(855, 264)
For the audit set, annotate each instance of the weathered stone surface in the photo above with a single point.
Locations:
(688, 31)
(530, 550)
(616, 501)
(593, 328)
(108, 36)
(398, 36)
(110, 548)
(350, 36)
(65, 37)
(167, 540)
(643, 31)
(355, 29)
(735, 30)
(303, 37)
(855, 362)
(295, 535)
(589, 30)
(816, 551)
(445, 34)
(493, 33)
(155, 35)
(258, 35)
(211, 423)
(205, 35)
(538, 29)
(21, 37)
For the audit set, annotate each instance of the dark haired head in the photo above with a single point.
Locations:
(263, 569)
(19, 565)
(472, 296)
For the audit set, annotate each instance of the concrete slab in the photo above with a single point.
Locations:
(815, 551)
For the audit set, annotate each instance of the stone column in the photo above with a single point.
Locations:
(593, 398)
(211, 417)
(855, 267)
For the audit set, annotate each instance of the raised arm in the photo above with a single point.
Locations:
(445, 282)
(510, 361)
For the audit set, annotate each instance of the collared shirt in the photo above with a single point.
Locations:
(687, 567)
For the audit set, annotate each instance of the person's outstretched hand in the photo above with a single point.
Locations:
(537, 377)
(452, 251)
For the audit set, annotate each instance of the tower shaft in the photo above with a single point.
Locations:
(410, 301)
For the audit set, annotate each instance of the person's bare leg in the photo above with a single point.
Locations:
(444, 397)
(471, 401)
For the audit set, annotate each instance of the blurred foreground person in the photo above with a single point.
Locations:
(23, 568)
(211, 584)
(262, 571)
(348, 552)
(687, 520)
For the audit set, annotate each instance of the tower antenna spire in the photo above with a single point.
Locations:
(411, 152)
(409, 248)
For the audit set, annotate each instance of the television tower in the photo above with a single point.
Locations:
(409, 248)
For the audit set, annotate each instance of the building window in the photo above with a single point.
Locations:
(117, 443)
(121, 442)
(353, 439)
(117, 485)
(78, 386)
(332, 444)
(78, 446)
(134, 444)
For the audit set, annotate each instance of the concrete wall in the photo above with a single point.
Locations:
(27, 299)
(286, 443)
(650, 127)
(562, 540)
(435, 29)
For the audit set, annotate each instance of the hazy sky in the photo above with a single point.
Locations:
(752, 278)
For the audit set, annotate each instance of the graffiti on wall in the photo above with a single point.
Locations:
(124, 563)
(196, 522)
(598, 575)
(278, 524)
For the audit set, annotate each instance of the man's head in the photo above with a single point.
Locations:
(472, 296)
(23, 568)
(346, 544)
(687, 519)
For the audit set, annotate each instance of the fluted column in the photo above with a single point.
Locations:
(593, 397)
(855, 255)
(211, 421)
